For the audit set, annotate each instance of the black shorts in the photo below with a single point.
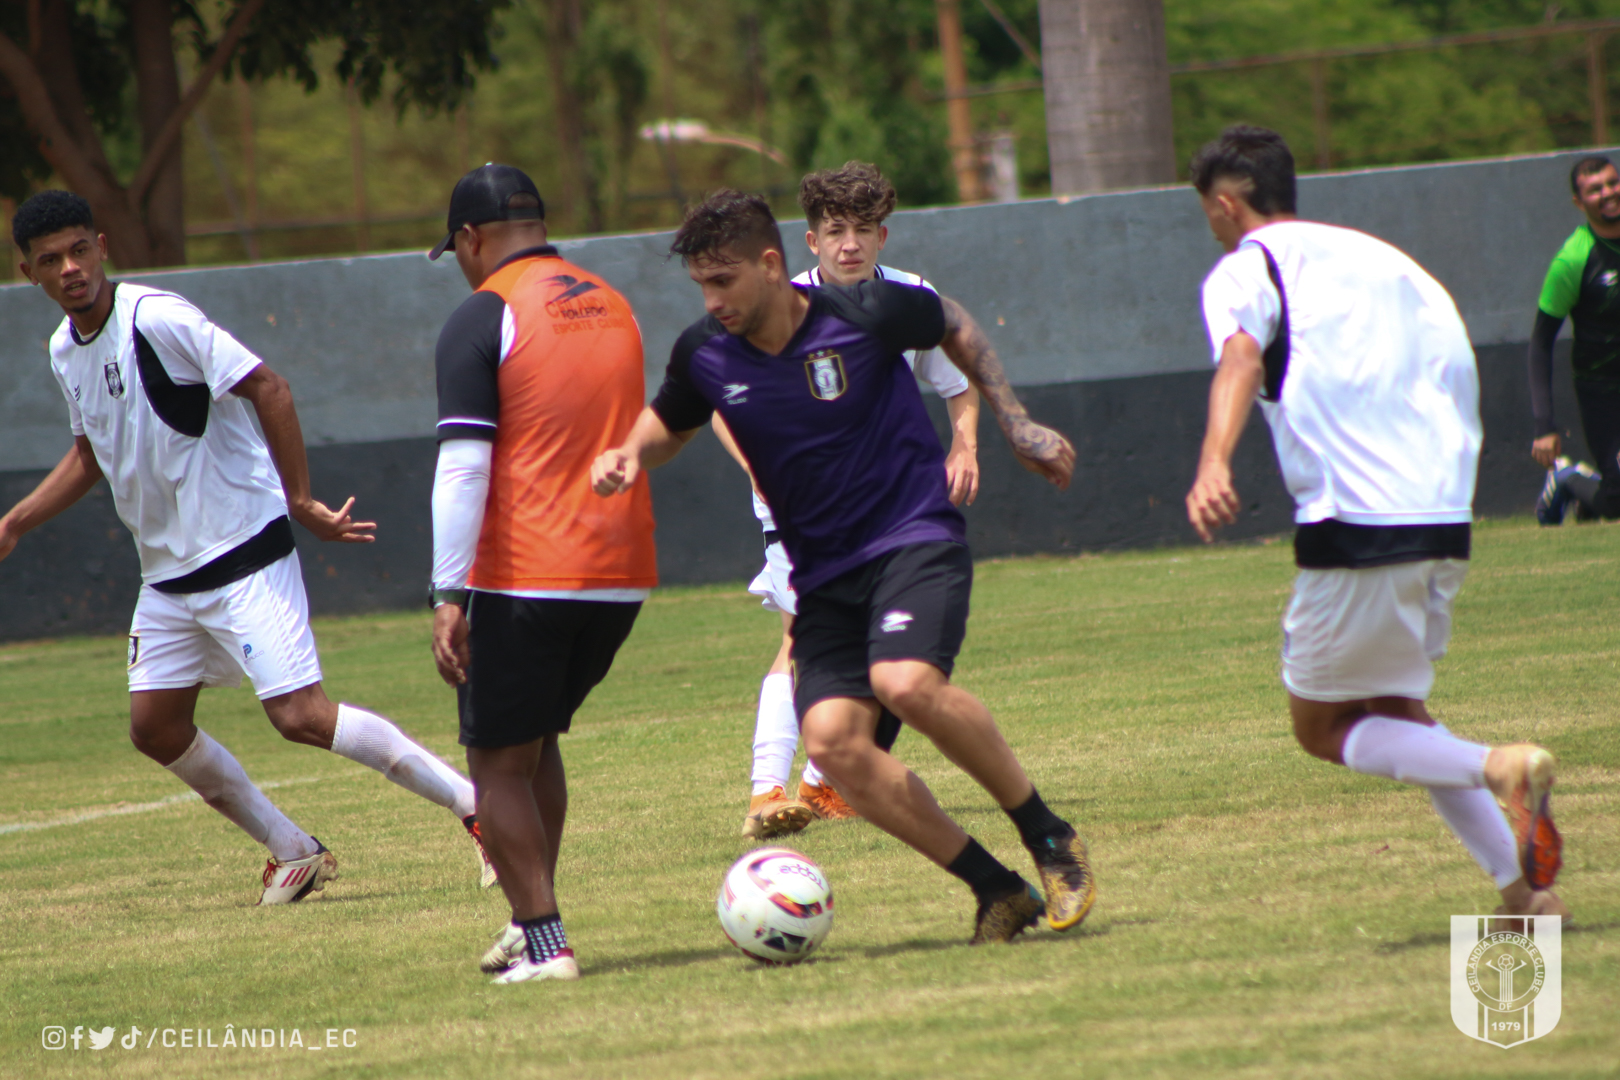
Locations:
(908, 604)
(533, 662)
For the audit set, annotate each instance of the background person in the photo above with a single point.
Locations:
(1583, 284)
(158, 401)
(536, 582)
(1362, 366)
(845, 209)
(814, 387)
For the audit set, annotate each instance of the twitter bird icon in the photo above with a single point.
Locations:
(99, 1040)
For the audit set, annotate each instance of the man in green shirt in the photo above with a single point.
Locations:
(1583, 283)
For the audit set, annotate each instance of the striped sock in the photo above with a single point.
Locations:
(545, 937)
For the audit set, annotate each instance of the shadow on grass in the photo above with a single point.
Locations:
(671, 959)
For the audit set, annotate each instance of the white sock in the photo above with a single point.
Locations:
(1480, 824)
(209, 769)
(1414, 754)
(776, 734)
(376, 743)
(812, 775)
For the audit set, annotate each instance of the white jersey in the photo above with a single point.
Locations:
(930, 365)
(190, 475)
(1377, 422)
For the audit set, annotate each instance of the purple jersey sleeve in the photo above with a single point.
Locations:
(680, 404)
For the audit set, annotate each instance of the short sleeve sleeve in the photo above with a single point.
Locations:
(680, 404)
(193, 349)
(75, 416)
(467, 365)
(936, 369)
(1239, 295)
(1561, 289)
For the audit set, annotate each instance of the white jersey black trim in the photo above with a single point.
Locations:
(182, 407)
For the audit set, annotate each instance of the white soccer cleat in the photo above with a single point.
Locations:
(289, 882)
(563, 966)
(507, 950)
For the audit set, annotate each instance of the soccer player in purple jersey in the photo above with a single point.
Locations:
(815, 389)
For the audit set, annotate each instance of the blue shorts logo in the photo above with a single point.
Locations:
(247, 652)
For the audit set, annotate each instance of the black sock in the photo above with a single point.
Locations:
(1037, 824)
(545, 937)
(984, 873)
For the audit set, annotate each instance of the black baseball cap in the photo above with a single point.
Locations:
(485, 194)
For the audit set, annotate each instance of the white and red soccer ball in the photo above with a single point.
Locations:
(775, 905)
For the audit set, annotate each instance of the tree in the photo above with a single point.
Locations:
(1108, 114)
(846, 76)
(67, 67)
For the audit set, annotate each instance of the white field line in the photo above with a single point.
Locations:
(137, 808)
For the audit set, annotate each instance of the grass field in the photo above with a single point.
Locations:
(1261, 913)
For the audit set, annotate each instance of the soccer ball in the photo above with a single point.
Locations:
(775, 905)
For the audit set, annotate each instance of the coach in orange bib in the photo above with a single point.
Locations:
(536, 582)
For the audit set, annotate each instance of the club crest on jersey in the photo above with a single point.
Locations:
(115, 381)
(825, 370)
(1608, 278)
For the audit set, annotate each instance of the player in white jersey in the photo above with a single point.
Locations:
(158, 400)
(1364, 371)
(845, 209)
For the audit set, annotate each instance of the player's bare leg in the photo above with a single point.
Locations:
(162, 726)
(1471, 786)
(964, 731)
(839, 733)
(515, 833)
(522, 801)
(957, 723)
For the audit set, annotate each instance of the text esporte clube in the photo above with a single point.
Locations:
(57, 1037)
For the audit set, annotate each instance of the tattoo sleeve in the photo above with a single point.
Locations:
(969, 349)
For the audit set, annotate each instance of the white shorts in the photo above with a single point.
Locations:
(772, 581)
(1354, 634)
(258, 627)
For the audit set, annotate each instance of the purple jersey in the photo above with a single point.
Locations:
(833, 427)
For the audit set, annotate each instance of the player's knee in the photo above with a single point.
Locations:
(907, 693)
(302, 725)
(1318, 741)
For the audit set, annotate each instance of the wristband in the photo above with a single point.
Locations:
(439, 597)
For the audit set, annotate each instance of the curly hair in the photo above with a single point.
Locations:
(46, 213)
(858, 191)
(730, 221)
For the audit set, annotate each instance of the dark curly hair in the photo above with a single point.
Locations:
(858, 191)
(728, 220)
(1256, 154)
(46, 213)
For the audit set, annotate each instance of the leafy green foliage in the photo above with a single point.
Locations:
(433, 50)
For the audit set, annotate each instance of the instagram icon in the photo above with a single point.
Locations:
(54, 1037)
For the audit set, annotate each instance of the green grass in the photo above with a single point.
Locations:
(1262, 914)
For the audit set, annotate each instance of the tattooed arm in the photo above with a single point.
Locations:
(1039, 449)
